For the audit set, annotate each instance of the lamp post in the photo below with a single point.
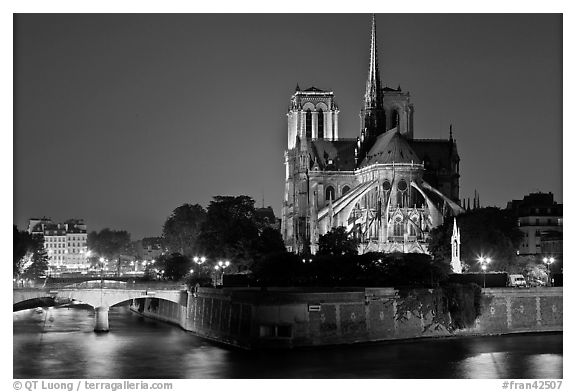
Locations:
(484, 261)
(548, 261)
(221, 266)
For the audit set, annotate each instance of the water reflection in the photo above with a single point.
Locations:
(60, 343)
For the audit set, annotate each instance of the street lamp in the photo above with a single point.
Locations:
(484, 261)
(548, 261)
(221, 266)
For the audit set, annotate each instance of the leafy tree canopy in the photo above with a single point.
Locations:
(110, 244)
(337, 242)
(488, 232)
(230, 231)
(29, 257)
(371, 270)
(38, 266)
(181, 229)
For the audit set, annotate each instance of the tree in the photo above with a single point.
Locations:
(38, 265)
(230, 231)
(29, 257)
(21, 241)
(177, 266)
(337, 242)
(181, 229)
(489, 232)
(270, 241)
(110, 244)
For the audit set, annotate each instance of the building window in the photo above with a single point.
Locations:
(308, 124)
(345, 190)
(402, 187)
(330, 194)
(320, 124)
(398, 227)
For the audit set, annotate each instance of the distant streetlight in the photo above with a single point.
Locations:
(548, 261)
(484, 261)
(221, 266)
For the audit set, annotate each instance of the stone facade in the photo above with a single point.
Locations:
(387, 188)
(286, 318)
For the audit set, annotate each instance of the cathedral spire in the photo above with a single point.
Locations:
(373, 97)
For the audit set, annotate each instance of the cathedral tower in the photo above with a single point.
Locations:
(313, 114)
(372, 115)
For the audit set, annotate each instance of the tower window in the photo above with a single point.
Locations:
(345, 190)
(320, 124)
(308, 124)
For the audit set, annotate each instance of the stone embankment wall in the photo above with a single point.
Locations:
(252, 318)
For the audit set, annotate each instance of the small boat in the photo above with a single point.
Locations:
(39, 310)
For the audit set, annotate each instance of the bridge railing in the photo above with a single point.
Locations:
(110, 284)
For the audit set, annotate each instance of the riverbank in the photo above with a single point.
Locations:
(288, 317)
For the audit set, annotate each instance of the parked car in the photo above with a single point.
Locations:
(537, 283)
(516, 280)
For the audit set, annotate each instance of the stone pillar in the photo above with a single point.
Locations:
(315, 125)
(328, 133)
(335, 130)
(101, 315)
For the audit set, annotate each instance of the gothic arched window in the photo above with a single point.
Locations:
(395, 119)
(345, 190)
(330, 194)
(398, 227)
(308, 124)
(386, 185)
(402, 187)
(320, 124)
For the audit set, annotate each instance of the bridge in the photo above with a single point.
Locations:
(103, 297)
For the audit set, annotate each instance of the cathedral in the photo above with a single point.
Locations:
(386, 187)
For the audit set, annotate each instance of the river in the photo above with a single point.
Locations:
(60, 343)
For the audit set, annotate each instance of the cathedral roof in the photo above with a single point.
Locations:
(390, 147)
(436, 153)
(314, 90)
(333, 155)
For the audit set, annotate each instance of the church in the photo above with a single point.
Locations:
(386, 187)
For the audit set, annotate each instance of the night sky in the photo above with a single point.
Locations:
(119, 119)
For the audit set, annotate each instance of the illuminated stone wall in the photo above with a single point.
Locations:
(287, 318)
